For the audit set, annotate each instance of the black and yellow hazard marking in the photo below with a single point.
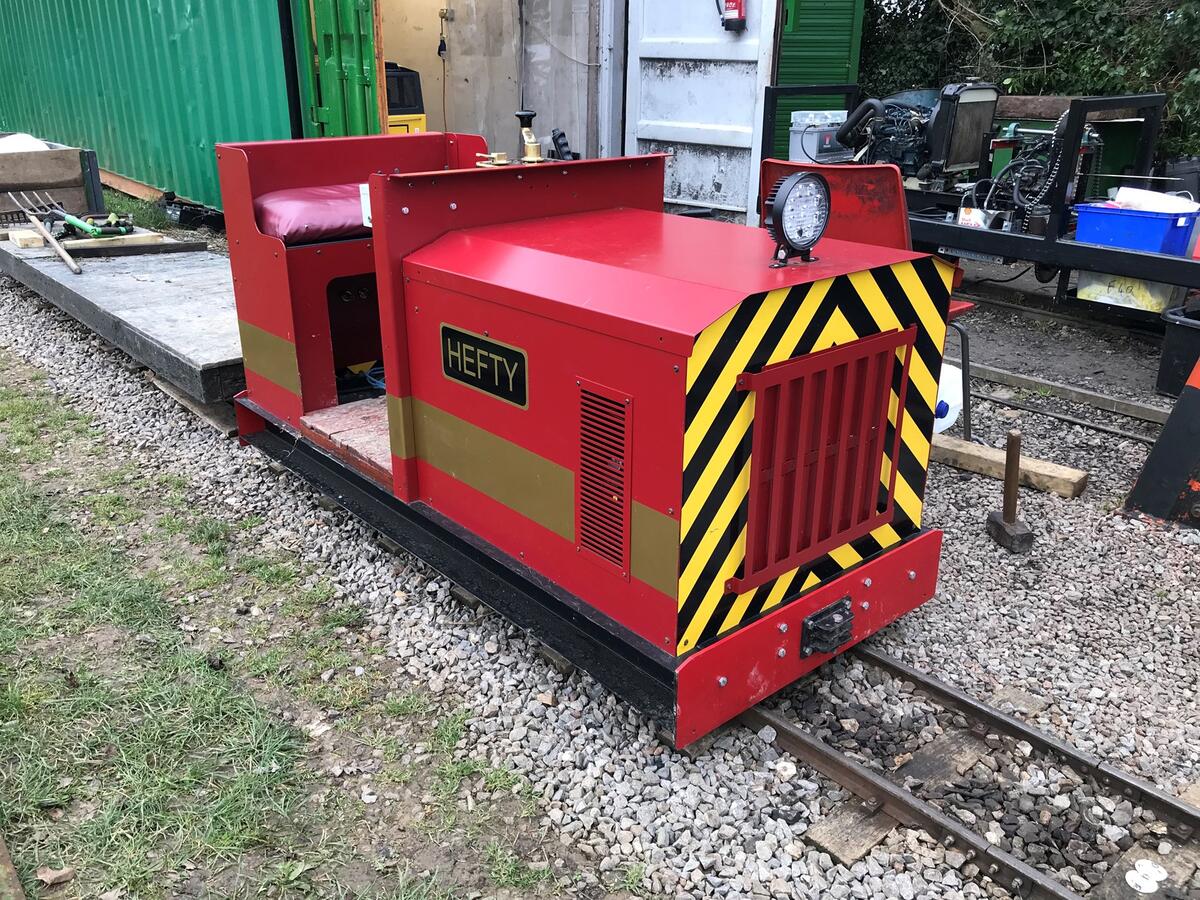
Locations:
(769, 328)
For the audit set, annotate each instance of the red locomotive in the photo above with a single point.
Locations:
(688, 455)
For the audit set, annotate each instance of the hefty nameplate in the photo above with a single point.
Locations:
(484, 364)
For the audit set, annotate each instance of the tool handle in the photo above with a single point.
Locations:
(86, 227)
(58, 248)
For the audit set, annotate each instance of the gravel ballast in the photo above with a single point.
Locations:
(1098, 621)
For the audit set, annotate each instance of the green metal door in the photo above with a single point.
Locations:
(335, 53)
(819, 43)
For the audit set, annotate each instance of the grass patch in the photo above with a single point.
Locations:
(114, 508)
(508, 870)
(212, 535)
(270, 572)
(172, 761)
(306, 602)
(407, 705)
(145, 214)
(349, 616)
(449, 731)
(631, 879)
(33, 425)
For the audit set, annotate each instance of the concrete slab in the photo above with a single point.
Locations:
(174, 313)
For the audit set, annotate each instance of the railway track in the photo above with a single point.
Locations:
(928, 792)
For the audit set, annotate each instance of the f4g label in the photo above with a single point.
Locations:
(481, 363)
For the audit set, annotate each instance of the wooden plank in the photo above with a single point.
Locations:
(1067, 392)
(130, 186)
(141, 249)
(380, 68)
(10, 884)
(220, 416)
(26, 238)
(944, 758)
(1035, 473)
(120, 240)
(39, 170)
(850, 831)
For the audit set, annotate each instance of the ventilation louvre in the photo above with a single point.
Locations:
(821, 433)
(602, 498)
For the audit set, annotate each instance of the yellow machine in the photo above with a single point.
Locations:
(408, 124)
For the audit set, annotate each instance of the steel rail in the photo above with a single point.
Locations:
(1181, 817)
(1063, 417)
(882, 795)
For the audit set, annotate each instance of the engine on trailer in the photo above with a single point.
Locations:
(932, 136)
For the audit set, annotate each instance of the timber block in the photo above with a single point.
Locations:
(984, 460)
(26, 238)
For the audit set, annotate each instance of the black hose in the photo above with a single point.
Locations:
(867, 110)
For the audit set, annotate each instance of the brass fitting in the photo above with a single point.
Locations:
(532, 146)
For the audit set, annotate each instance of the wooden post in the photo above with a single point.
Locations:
(380, 68)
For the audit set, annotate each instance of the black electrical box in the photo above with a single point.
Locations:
(403, 91)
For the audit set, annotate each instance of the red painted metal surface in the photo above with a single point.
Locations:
(282, 289)
(821, 423)
(409, 212)
(717, 683)
(602, 481)
(959, 308)
(867, 202)
(559, 356)
(635, 274)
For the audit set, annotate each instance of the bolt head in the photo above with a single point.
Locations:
(404, 210)
(783, 627)
(453, 206)
(912, 576)
(865, 605)
(867, 582)
(722, 681)
(781, 653)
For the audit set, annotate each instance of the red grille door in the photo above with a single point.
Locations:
(602, 494)
(820, 429)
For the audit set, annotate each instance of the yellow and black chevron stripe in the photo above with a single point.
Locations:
(769, 328)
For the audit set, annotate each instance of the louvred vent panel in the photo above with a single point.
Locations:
(821, 432)
(603, 486)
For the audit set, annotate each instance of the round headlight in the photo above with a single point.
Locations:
(797, 213)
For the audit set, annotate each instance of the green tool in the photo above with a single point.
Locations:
(111, 227)
(48, 210)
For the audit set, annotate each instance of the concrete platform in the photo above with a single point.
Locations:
(172, 312)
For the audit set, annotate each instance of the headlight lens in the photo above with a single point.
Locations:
(799, 210)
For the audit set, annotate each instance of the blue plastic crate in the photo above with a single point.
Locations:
(1133, 229)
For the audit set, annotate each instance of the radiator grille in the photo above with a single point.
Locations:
(821, 429)
(603, 487)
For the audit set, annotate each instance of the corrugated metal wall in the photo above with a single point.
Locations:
(151, 85)
(818, 44)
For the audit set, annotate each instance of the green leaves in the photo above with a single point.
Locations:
(1043, 47)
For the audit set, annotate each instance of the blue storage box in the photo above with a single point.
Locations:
(1133, 229)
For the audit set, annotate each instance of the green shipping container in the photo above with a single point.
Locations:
(151, 85)
(819, 43)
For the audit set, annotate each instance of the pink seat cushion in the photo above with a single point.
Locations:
(306, 215)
